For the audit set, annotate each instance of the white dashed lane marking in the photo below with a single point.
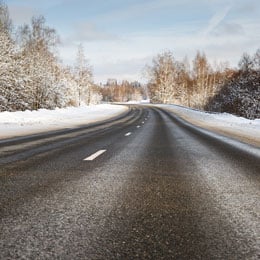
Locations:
(95, 155)
(129, 133)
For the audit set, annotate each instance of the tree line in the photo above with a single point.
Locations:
(33, 77)
(31, 74)
(125, 91)
(201, 85)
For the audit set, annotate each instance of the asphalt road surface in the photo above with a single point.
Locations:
(142, 186)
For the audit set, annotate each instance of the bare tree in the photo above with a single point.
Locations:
(246, 63)
(201, 75)
(31, 76)
(162, 75)
(83, 75)
(36, 42)
(256, 60)
(5, 20)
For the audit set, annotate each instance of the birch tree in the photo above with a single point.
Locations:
(162, 78)
(257, 60)
(37, 42)
(83, 76)
(201, 70)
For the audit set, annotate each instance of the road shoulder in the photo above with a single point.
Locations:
(23, 123)
(246, 133)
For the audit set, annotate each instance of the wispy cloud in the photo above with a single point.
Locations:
(215, 20)
(229, 28)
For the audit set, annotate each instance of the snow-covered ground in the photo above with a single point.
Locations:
(30, 122)
(236, 127)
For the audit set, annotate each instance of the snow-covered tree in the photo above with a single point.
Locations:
(83, 76)
(67, 88)
(31, 76)
(12, 82)
(162, 75)
(240, 93)
(40, 64)
(173, 81)
(96, 95)
(6, 69)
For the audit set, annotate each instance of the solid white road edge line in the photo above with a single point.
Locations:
(128, 134)
(95, 155)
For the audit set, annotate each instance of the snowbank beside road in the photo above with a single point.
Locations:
(240, 128)
(30, 122)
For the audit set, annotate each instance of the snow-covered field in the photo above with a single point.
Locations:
(30, 122)
(233, 126)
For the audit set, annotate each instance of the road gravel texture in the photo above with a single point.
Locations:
(166, 191)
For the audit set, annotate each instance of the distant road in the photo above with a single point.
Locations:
(143, 186)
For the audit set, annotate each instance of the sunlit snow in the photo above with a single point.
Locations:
(30, 122)
(233, 126)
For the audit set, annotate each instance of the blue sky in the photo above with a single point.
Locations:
(121, 36)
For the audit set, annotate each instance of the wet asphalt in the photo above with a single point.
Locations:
(165, 191)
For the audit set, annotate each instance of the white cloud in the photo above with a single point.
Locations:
(125, 58)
